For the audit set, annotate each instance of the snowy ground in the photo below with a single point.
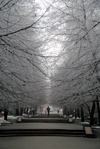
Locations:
(10, 118)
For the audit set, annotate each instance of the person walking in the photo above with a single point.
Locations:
(48, 110)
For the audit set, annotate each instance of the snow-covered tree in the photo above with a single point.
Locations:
(22, 79)
(76, 24)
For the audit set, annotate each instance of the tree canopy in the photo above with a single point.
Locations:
(49, 52)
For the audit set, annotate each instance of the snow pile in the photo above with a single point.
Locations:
(2, 121)
(84, 123)
(11, 117)
(65, 116)
(25, 115)
(78, 118)
(98, 127)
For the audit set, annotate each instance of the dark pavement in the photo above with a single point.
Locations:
(48, 142)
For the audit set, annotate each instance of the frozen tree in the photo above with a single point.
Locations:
(22, 79)
(76, 24)
(67, 49)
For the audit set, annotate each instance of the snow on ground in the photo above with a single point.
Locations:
(84, 123)
(78, 118)
(2, 121)
(97, 127)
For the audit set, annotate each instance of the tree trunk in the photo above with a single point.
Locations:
(17, 112)
(92, 114)
(82, 114)
(21, 111)
(98, 109)
(64, 111)
(67, 112)
(5, 114)
(89, 109)
(78, 112)
(75, 113)
(27, 110)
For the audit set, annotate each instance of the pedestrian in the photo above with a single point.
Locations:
(48, 110)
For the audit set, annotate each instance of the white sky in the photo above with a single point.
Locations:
(52, 48)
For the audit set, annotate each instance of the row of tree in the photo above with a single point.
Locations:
(76, 25)
(27, 34)
(22, 79)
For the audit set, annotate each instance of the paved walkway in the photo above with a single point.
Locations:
(47, 142)
(41, 126)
